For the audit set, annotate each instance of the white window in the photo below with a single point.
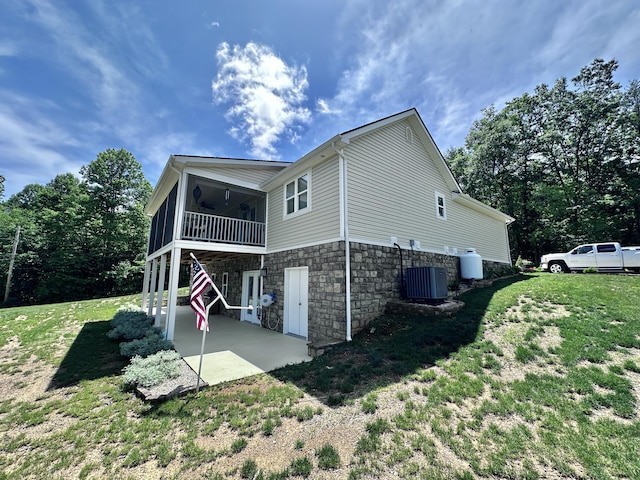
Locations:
(296, 195)
(441, 206)
(225, 284)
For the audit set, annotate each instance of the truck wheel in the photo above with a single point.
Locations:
(557, 267)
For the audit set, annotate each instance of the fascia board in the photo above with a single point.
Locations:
(192, 160)
(315, 157)
(167, 180)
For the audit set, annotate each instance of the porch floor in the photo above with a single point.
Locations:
(234, 349)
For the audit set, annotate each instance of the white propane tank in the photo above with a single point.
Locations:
(471, 265)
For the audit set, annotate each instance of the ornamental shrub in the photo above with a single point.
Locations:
(129, 323)
(152, 370)
(152, 342)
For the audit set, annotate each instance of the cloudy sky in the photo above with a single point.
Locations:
(273, 79)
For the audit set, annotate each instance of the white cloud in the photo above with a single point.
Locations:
(96, 65)
(452, 59)
(265, 96)
(32, 143)
(322, 106)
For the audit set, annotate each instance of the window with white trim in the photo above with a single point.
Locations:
(296, 195)
(225, 284)
(441, 206)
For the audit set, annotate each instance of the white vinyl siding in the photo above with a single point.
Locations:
(320, 223)
(391, 194)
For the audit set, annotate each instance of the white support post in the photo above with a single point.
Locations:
(163, 269)
(172, 300)
(152, 292)
(145, 284)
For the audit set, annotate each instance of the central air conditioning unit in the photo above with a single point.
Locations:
(426, 283)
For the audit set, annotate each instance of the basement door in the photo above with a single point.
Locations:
(250, 292)
(296, 301)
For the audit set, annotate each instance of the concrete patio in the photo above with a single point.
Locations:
(234, 349)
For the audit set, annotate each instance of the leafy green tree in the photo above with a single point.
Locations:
(562, 160)
(29, 251)
(118, 192)
(81, 238)
(67, 229)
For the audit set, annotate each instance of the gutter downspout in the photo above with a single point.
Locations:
(347, 248)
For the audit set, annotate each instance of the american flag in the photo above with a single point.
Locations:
(200, 283)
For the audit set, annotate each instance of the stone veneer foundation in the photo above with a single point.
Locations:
(375, 281)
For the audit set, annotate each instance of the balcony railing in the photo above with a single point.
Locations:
(213, 228)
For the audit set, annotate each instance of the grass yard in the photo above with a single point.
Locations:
(538, 377)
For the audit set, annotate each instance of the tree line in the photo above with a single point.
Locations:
(80, 237)
(563, 160)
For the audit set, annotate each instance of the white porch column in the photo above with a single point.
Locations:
(163, 269)
(145, 284)
(172, 300)
(152, 292)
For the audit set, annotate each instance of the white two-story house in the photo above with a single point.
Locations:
(322, 234)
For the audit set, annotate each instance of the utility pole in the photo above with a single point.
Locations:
(13, 256)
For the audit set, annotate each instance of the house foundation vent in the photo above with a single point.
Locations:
(426, 283)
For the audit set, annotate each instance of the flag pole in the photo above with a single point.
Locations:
(204, 336)
(220, 297)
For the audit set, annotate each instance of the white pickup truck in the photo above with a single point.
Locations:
(604, 257)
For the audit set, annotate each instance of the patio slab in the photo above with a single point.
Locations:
(234, 349)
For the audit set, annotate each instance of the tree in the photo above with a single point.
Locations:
(563, 161)
(81, 238)
(118, 192)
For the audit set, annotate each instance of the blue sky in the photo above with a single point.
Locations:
(273, 79)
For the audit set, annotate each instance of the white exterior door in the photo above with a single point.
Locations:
(296, 301)
(250, 292)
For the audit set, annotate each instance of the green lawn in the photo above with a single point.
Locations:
(538, 377)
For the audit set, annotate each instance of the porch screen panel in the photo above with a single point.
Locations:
(170, 215)
(160, 226)
(152, 235)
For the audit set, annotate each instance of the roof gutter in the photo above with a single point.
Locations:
(342, 161)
